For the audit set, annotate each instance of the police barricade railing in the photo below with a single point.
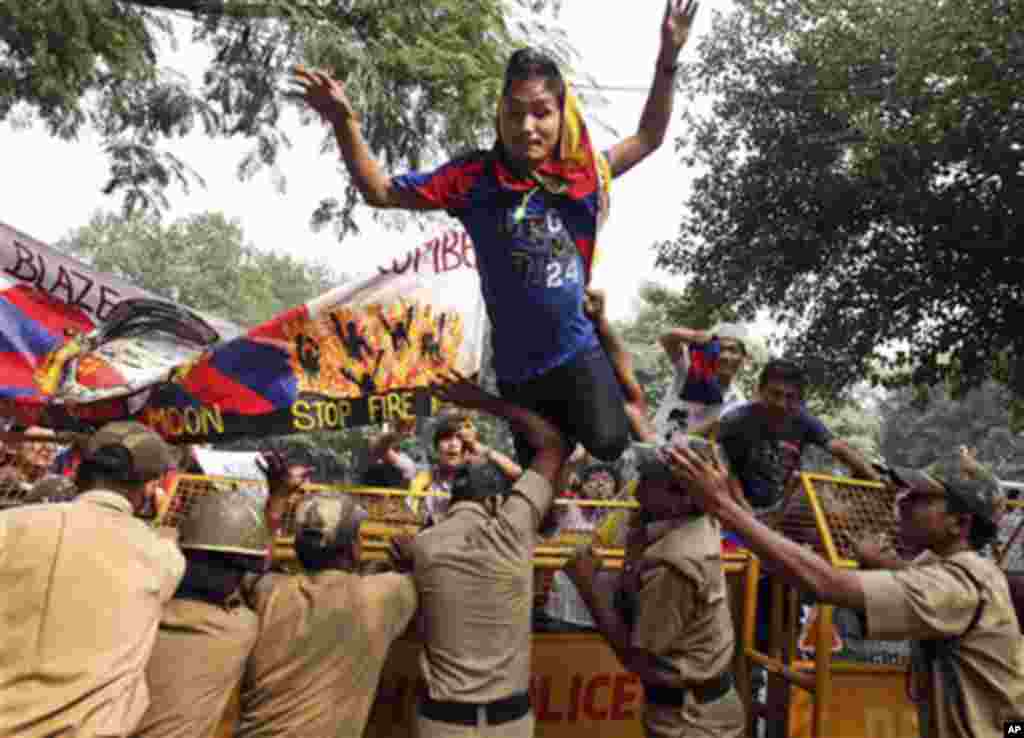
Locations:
(390, 513)
(827, 514)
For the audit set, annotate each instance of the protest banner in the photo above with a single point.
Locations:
(78, 348)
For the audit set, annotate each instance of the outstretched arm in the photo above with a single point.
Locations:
(708, 484)
(326, 96)
(675, 30)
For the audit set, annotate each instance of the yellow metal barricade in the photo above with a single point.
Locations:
(827, 514)
(390, 515)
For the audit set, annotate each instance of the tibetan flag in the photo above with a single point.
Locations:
(78, 346)
(702, 375)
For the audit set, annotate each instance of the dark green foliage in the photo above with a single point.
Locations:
(863, 173)
(423, 74)
(919, 428)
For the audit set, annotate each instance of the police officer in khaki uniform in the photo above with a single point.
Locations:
(474, 573)
(324, 634)
(670, 622)
(84, 583)
(953, 604)
(672, 625)
(207, 631)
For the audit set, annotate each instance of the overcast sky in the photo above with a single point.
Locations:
(52, 186)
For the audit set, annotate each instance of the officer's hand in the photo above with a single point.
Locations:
(400, 553)
(706, 481)
(870, 554)
(583, 566)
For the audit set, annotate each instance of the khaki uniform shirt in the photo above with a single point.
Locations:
(83, 584)
(934, 600)
(682, 609)
(196, 666)
(321, 648)
(474, 573)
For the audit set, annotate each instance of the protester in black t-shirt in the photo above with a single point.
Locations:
(764, 440)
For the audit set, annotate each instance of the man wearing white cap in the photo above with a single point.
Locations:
(706, 363)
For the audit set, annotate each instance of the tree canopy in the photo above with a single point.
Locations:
(862, 178)
(921, 427)
(202, 262)
(424, 75)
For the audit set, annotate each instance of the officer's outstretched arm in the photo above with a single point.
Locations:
(707, 483)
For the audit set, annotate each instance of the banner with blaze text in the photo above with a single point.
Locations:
(78, 346)
(364, 353)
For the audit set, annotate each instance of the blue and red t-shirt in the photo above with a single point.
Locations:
(527, 248)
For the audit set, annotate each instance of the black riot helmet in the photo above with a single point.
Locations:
(478, 481)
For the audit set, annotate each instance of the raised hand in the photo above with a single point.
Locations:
(675, 28)
(323, 93)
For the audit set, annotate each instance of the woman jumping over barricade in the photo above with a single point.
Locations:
(533, 205)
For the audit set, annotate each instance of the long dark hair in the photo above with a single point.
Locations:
(532, 63)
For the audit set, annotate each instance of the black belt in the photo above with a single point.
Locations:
(500, 711)
(676, 696)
